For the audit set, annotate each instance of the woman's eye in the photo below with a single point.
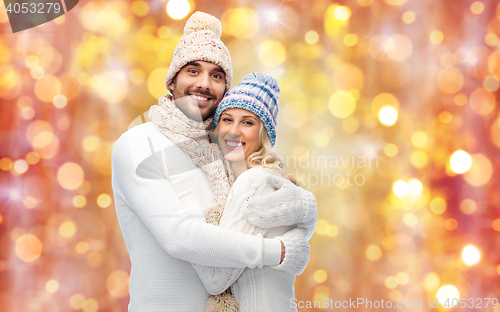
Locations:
(248, 122)
(226, 119)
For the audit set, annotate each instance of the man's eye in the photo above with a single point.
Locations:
(192, 71)
(217, 76)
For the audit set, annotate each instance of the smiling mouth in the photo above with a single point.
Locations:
(234, 144)
(200, 99)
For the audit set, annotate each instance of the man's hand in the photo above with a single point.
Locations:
(283, 251)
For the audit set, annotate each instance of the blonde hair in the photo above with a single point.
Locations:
(266, 158)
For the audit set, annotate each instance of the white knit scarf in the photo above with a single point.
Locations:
(193, 137)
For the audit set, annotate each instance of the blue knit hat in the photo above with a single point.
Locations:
(257, 93)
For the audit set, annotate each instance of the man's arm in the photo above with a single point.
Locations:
(154, 201)
(247, 189)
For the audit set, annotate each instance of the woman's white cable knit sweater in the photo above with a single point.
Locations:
(268, 288)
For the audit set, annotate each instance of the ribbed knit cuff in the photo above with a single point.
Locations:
(272, 251)
(297, 253)
(309, 204)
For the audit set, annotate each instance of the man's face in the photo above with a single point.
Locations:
(198, 89)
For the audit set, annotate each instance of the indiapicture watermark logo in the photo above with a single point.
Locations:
(26, 14)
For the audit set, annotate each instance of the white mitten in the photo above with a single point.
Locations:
(297, 252)
(287, 205)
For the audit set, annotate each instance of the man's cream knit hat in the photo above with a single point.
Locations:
(201, 42)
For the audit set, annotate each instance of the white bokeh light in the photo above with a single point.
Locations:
(178, 9)
(448, 292)
(14, 194)
(471, 58)
(415, 187)
(400, 188)
(388, 115)
(341, 13)
(272, 16)
(460, 162)
(471, 255)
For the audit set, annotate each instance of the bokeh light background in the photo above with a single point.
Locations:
(410, 85)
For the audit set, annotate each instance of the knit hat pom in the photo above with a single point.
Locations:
(202, 21)
(223, 302)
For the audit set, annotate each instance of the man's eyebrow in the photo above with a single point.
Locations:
(219, 70)
(194, 63)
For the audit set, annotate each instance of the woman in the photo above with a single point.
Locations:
(246, 130)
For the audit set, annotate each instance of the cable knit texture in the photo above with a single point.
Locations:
(162, 238)
(283, 207)
(217, 280)
(297, 247)
(273, 287)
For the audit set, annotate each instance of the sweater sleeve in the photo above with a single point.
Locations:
(152, 198)
(288, 205)
(250, 186)
(297, 249)
(247, 186)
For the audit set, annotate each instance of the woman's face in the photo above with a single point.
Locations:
(238, 133)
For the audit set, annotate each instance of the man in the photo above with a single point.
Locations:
(163, 238)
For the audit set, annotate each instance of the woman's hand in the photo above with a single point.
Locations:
(298, 252)
(287, 205)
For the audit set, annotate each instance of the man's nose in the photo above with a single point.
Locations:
(204, 81)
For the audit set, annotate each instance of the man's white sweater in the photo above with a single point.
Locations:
(161, 237)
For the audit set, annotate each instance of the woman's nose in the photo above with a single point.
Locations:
(235, 131)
